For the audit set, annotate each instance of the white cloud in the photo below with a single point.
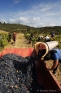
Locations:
(52, 24)
(12, 20)
(23, 19)
(36, 21)
(38, 15)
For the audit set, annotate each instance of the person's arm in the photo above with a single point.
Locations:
(55, 64)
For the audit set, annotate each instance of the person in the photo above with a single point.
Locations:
(30, 38)
(53, 34)
(14, 37)
(47, 38)
(41, 49)
(55, 55)
(9, 37)
(40, 38)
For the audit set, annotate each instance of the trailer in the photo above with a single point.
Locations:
(45, 78)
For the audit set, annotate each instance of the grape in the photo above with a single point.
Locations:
(17, 74)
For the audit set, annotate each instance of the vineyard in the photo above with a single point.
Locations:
(27, 31)
(31, 34)
(34, 39)
(3, 39)
(26, 37)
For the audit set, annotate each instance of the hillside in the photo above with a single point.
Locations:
(27, 29)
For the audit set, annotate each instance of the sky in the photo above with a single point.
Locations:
(35, 13)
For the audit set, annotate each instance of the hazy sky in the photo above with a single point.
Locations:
(36, 13)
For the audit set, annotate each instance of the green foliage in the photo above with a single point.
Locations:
(3, 40)
(27, 36)
(27, 30)
(34, 39)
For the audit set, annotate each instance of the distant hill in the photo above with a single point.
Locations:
(24, 28)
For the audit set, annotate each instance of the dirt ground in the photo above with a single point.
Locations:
(58, 72)
(22, 42)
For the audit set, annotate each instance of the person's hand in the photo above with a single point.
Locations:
(50, 69)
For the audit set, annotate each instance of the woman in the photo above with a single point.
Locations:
(14, 37)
